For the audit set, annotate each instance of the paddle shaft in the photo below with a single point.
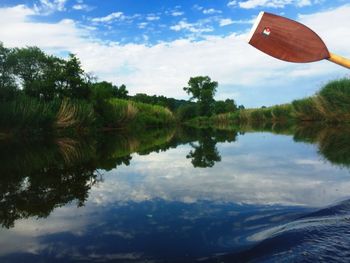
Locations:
(339, 60)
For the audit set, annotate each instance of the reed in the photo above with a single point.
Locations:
(26, 113)
(330, 105)
(118, 113)
(78, 114)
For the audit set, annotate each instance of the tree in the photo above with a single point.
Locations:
(102, 90)
(228, 105)
(203, 90)
(29, 67)
(187, 111)
(8, 85)
(76, 81)
(121, 92)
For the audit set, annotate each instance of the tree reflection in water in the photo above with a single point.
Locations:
(36, 178)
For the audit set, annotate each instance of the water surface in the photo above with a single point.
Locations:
(178, 196)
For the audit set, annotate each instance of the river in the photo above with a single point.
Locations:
(267, 194)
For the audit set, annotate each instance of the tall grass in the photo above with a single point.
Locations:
(331, 105)
(276, 114)
(27, 113)
(118, 113)
(78, 114)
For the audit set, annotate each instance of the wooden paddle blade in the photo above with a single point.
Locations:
(286, 39)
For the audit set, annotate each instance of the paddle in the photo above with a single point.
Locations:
(289, 40)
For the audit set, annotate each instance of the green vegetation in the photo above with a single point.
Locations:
(44, 93)
(39, 92)
(330, 105)
(203, 90)
(117, 113)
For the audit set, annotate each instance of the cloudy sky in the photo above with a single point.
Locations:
(155, 46)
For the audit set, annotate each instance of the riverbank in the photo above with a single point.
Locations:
(26, 115)
(330, 105)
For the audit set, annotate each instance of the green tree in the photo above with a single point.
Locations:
(29, 67)
(187, 111)
(228, 105)
(8, 85)
(203, 90)
(41, 76)
(102, 90)
(121, 92)
(76, 84)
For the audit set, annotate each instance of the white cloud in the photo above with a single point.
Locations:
(240, 177)
(226, 22)
(166, 67)
(108, 18)
(229, 21)
(47, 7)
(333, 27)
(142, 25)
(272, 3)
(82, 7)
(302, 3)
(232, 3)
(152, 17)
(177, 13)
(191, 27)
(198, 7)
(211, 11)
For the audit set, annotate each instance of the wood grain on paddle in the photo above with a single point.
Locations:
(289, 40)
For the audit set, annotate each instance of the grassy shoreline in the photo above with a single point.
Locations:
(25, 115)
(330, 105)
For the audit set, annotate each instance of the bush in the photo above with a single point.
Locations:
(336, 96)
(307, 109)
(187, 112)
(118, 113)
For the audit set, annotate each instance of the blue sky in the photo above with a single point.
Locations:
(155, 46)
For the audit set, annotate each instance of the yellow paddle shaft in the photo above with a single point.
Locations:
(339, 60)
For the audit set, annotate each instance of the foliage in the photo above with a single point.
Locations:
(152, 115)
(101, 91)
(76, 113)
(121, 92)
(26, 113)
(44, 76)
(336, 96)
(187, 111)
(118, 113)
(8, 85)
(171, 103)
(75, 82)
(105, 90)
(228, 105)
(331, 105)
(203, 90)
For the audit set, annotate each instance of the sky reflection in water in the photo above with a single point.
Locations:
(161, 207)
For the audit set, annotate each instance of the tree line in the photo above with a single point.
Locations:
(32, 73)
